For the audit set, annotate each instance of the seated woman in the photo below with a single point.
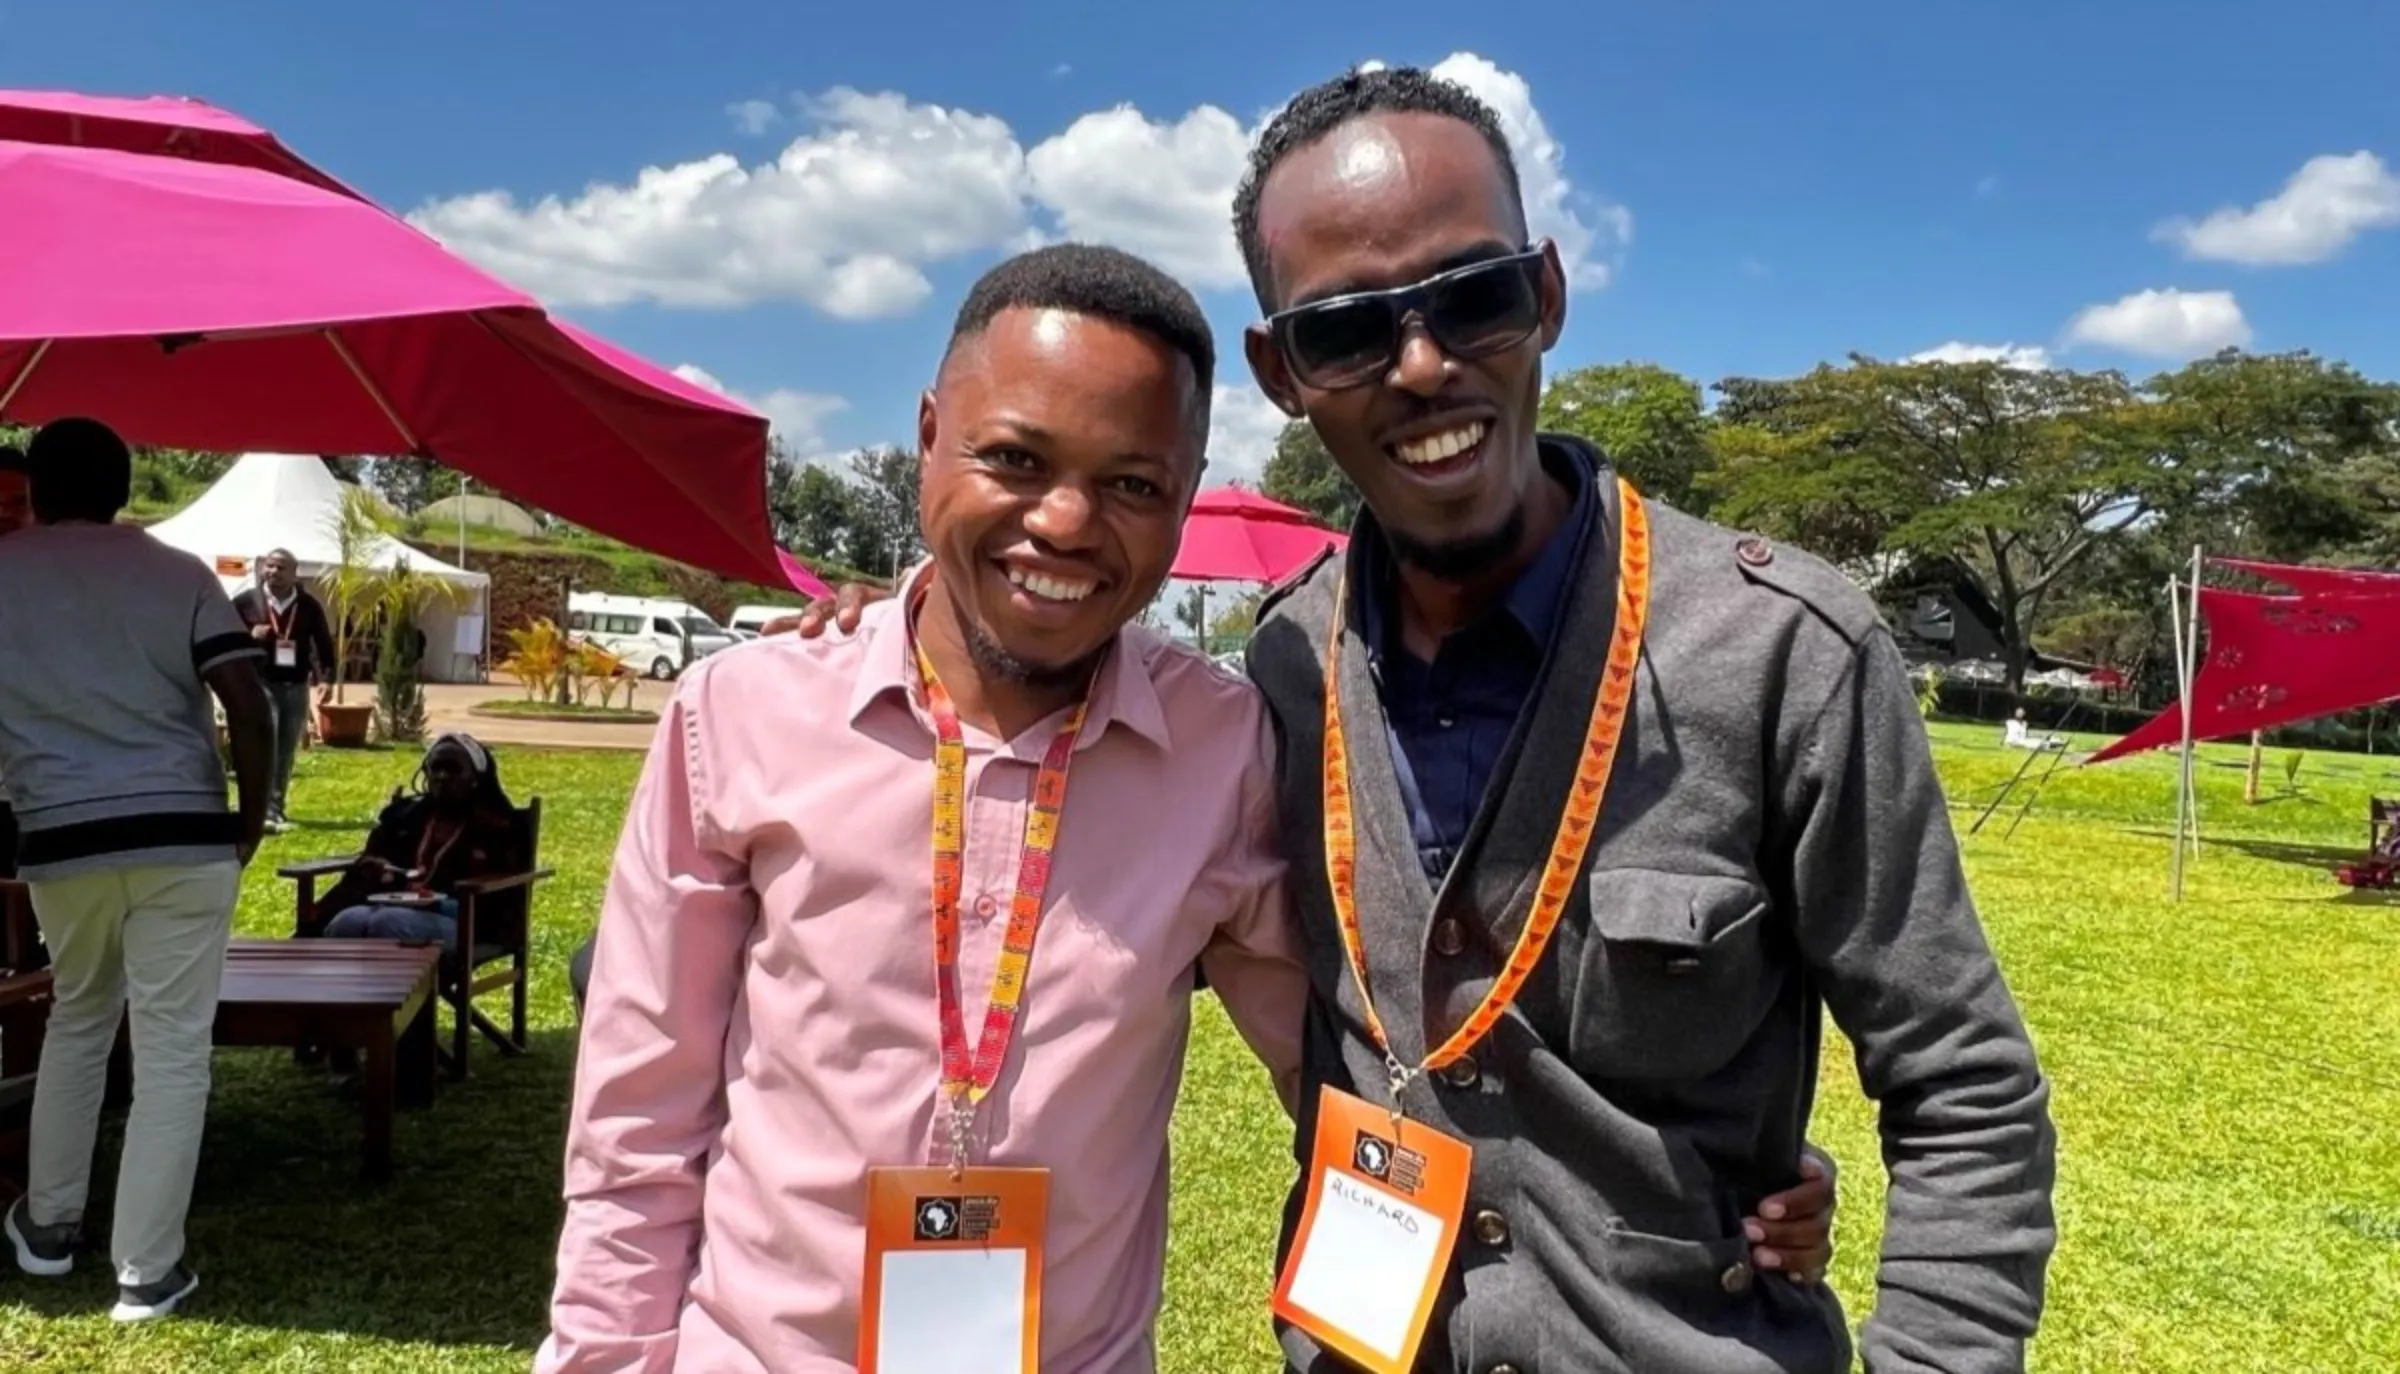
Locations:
(459, 824)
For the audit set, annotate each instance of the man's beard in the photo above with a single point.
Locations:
(1462, 560)
(994, 662)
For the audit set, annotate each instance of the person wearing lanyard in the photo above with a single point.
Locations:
(789, 1010)
(290, 622)
(1147, 818)
(1594, 810)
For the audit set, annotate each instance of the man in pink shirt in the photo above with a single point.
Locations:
(761, 1024)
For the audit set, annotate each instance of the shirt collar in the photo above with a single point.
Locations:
(1123, 693)
(1532, 601)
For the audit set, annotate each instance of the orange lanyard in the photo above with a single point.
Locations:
(965, 1081)
(281, 627)
(1567, 847)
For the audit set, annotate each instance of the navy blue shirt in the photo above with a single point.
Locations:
(1450, 719)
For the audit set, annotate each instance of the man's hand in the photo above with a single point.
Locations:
(838, 610)
(262, 632)
(1793, 1231)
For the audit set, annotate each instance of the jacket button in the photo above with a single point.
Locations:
(985, 906)
(1504, 1369)
(1735, 1279)
(1754, 551)
(1491, 1228)
(1683, 965)
(1449, 937)
(1461, 1072)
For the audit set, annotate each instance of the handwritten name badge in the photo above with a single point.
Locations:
(1376, 1234)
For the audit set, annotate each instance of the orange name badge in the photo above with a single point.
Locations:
(1382, 1215)
(954, 1271)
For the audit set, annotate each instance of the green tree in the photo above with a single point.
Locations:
(2020, 474)
(816, 513)
(1648, 420)
(1302, 473)
(883, 533)
(411, 484)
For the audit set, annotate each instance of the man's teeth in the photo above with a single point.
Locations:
(1434, 448)
(1050, 588)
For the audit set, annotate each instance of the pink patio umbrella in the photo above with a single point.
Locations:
(228, 306)
(1234, 535)
(166, 125)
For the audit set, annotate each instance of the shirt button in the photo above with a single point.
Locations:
(1491, 1228)
(1735, 1279)
(1461, 1073)
(1449, 937)
(1504, 1369)
(985, 906)
(1445, 721)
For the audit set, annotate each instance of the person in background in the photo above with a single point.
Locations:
(290, 623)
(458, 824)
(16, 513)
(110, 646)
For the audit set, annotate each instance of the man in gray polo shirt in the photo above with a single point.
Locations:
(110, 646)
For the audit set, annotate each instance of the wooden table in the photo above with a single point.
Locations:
(374, 996)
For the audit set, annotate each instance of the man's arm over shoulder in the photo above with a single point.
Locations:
(1254, 961)
(650, 1076)
(1886, 924)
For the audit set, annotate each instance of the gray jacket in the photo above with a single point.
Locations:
(1773, 843)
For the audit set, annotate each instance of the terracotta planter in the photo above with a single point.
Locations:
(344, 725)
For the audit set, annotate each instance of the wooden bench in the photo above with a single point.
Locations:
(374, 996)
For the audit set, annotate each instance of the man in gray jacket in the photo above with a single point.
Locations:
(1770, 841)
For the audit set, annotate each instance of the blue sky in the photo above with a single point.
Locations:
(1757, 186)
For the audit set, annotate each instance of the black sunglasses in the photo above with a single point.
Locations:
(1470, 311)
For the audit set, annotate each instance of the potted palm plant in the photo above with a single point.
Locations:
(359, 598)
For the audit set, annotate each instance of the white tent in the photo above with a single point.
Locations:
(289, 501)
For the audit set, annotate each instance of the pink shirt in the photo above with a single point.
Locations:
(761, 1022)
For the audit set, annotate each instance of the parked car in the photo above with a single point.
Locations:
(656, 636)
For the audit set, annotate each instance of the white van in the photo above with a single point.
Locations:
(753, 620)
(658, 637)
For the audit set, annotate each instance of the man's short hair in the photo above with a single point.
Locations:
(1105, 283)
(80, 470)
(1329, 105)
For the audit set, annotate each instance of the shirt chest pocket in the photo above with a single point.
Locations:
(1673, 980)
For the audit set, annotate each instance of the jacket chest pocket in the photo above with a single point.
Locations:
(1672, 983)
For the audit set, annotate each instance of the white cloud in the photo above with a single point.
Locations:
(1163, 191)
(796, 417)
(877, 187)
(2331, 200)
(2029, 357)
(1243, 426)
(2164, 324)
(841, 220)
(754, 117)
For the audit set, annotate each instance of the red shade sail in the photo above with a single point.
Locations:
(2310, 581)
(2273, 660)
(1234, 535)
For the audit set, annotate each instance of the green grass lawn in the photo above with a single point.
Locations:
(2227, 1093)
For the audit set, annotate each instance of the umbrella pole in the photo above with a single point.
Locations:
(374, 393)
(2183, 777)
(17, 383)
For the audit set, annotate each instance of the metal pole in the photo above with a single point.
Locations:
(2183, 695)
(2191, 676)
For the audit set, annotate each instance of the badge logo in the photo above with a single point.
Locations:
(1403, 1169)
(937, 1218)
(947, 1218)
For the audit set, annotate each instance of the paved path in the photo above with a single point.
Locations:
(446, 708)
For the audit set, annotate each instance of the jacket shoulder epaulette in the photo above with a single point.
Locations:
(1821, 588)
